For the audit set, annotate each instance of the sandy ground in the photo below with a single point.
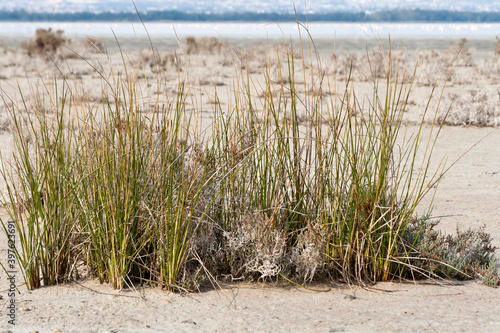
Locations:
(468, 196)
(243, 308)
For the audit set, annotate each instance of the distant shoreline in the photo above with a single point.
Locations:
(15, 31)
(409, 16)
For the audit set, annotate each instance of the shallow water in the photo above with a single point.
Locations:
(341, 37)
(259, 29)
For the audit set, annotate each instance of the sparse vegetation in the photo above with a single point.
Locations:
(286, 181)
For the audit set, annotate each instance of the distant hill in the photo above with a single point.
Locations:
(172, 15)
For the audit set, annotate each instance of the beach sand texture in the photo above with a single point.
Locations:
(468, 196)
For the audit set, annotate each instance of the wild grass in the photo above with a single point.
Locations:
(292, 178)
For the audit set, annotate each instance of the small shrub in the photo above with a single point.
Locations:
(468, 254)
(203, 46)
(473, 109)
(254, 248)
(46, 42)
(95, 45)
(489, 273)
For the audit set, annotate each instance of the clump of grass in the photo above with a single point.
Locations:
(294, 179)
(328, 171)
(42, 208)
(140, 188)
(45, 43)
(115, 190)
